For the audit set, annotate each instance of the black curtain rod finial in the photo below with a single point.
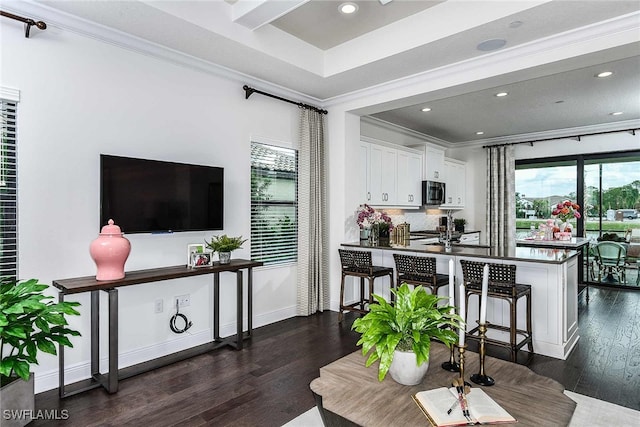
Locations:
(248, 91)
(27, 21)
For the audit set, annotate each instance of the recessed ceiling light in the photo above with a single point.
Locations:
(489, 45)
(348, 8)
(480, 133)
(501, 94)
(426, 109)
(604, 74)
(617, 113)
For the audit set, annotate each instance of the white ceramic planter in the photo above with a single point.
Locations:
(17, 401)
(405, 370)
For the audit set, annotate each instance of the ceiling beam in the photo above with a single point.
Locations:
(253, 14)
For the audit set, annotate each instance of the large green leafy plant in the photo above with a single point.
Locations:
(407, 325)
(29, 323)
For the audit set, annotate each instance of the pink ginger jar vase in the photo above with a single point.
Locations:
(110, 251)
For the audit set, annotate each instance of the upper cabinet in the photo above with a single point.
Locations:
(382, 175)
(455, 183)
(391, 176)
(434, 162)
(409, 189)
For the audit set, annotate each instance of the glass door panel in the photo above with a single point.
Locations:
(612, 204)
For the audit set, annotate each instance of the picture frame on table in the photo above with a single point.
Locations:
(201, 259)
(194, 248)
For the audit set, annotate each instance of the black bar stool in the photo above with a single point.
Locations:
(502, 285)
(358, 264)
(419, 270)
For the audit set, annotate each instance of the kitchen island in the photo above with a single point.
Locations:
(552, 274)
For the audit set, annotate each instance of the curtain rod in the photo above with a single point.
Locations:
(577, 137)
(248, 91)
(30, 22)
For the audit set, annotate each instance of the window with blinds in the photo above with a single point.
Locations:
(274, 204)
(8, 191)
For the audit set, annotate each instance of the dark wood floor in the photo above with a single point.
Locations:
(267, 384)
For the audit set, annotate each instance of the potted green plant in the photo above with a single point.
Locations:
(404, 330)
(459, 223)
(28, 323)
(223, 245)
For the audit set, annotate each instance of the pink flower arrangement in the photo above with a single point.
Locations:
(368, 216)
(566, 210)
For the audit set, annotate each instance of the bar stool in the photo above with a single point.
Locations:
(358, 264)
(419, 270)
(502, 285)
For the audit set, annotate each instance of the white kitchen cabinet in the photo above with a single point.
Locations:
(409, 189)
(364, 153)
(382, 175)
(455, 183)
(391, 176)
(434, 164)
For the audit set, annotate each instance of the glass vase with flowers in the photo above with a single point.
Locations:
(378, 223)
(564, 212)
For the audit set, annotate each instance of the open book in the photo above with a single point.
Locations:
(482, 408)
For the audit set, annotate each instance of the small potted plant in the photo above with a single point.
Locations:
(395, 334)
(223, 245)
(28, 324)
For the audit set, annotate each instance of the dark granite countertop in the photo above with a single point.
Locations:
(527, 254)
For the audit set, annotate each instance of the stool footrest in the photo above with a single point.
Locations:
(474, 336)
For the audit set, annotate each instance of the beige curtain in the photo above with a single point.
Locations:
(313, 292)
(501, 210)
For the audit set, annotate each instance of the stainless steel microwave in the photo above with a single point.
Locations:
(432, 193)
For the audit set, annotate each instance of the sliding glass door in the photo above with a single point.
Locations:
(612, 207)
(607, 188)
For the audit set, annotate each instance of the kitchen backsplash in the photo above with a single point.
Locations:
(418, 220)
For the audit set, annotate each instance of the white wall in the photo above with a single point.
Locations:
(80, 98)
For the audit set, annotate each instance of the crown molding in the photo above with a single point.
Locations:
(405, 131)
(102, 33)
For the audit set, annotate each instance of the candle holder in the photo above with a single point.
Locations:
(481, 378)
(461, 350)
(451, 365)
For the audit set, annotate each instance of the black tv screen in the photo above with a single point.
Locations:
(146, 196)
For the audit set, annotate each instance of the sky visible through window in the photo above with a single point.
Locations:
(561, 180)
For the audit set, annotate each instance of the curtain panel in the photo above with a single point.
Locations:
(501, 209)
(312, 289)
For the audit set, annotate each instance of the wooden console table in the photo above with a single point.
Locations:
(348, 393)
(89, 284)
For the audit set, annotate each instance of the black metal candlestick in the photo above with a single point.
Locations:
(481, 378)
(451, 365)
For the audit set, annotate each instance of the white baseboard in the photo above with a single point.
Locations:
(81, 371)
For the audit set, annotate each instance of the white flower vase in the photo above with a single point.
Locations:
(404, 368)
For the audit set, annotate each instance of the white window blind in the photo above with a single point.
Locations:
(8, 191)
(274, 204)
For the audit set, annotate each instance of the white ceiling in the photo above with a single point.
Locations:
(310, 50)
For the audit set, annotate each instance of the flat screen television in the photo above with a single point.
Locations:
(150, 196)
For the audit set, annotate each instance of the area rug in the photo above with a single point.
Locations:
(589, 412)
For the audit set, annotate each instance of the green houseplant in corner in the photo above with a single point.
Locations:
(29, 323)
(223, 245)
(393, 333)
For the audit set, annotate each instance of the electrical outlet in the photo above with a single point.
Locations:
(183, 300)
(159, 306)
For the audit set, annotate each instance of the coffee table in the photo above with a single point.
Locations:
(347, 393)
